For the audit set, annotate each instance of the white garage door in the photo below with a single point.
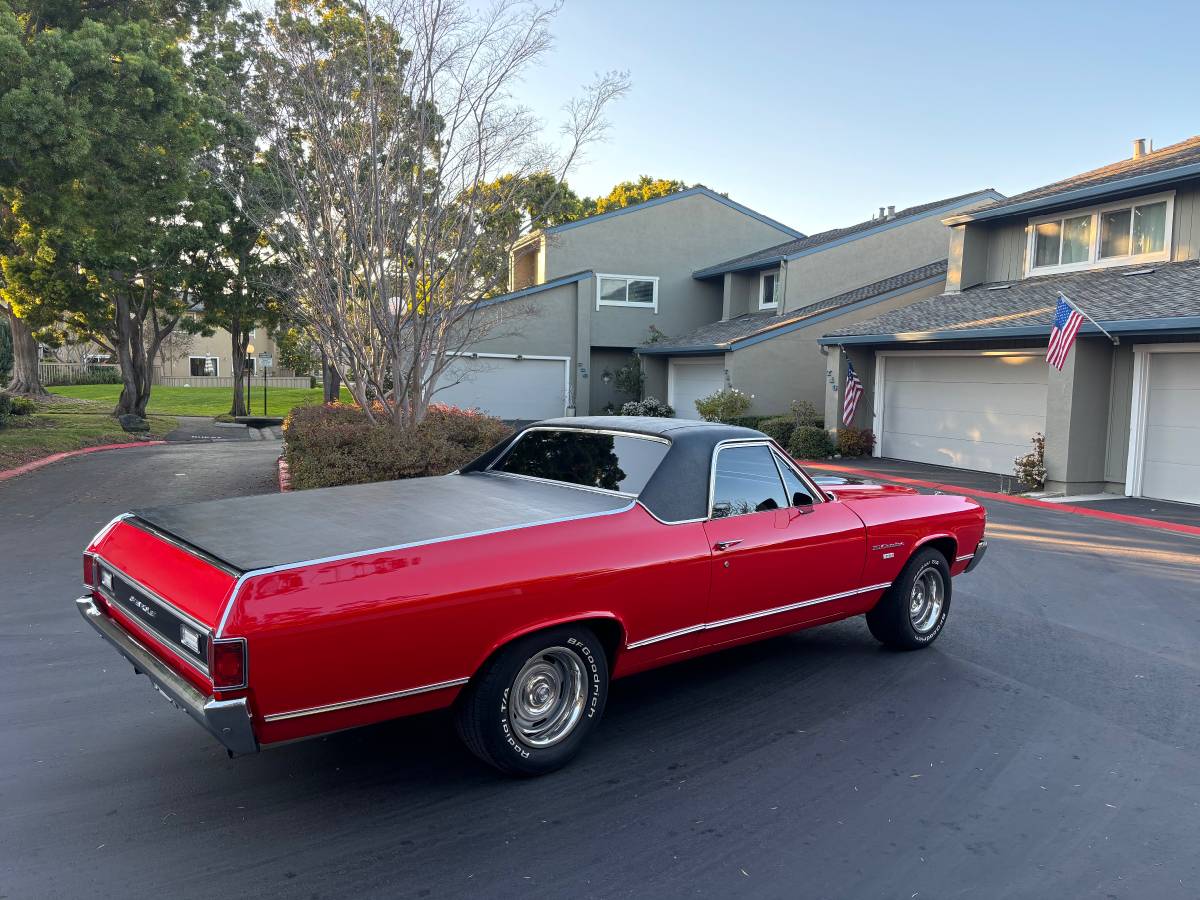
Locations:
(970, 412)
(528, 388)
(689, 380)
(1171, 454)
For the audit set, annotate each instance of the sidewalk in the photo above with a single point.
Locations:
(943, 478)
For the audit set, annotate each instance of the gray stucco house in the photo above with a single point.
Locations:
(586, 293)
(960, 379)
(700, 292)
(777, 301)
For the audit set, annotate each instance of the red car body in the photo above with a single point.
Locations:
(312, 646)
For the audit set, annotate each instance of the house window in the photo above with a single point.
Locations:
(627, 290)
(203, 366)
(768, 283)
(1116, 234)
(250, 364)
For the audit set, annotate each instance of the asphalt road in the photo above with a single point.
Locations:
(1048, 745)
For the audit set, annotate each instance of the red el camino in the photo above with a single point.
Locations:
(577, 551)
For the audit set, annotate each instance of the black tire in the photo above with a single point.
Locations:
(501, 726)
(891, 621)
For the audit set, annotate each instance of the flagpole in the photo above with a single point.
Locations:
(1071, 303)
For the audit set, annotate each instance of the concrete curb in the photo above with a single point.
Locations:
(1141, 521)
(55, 457)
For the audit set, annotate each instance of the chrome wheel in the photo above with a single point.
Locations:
(927, 599)
(548, 697)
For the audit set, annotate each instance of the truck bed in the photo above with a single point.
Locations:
(248, 533)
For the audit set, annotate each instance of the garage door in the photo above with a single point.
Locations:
(509, 387)
(689, 380)
(1171, 454)
(970, 412)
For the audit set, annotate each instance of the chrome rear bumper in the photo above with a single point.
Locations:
(980, 549)
(227, 720)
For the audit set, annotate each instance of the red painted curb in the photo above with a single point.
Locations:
(55, 457)
(285, 476)
(1008, 498)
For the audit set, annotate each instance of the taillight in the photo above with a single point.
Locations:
(89, 570)
(227, 664)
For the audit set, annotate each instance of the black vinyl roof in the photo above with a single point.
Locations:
(678, 489)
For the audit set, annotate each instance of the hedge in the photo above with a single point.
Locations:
(331, 445)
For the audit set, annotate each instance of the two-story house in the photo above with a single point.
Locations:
(960, 379)
(777, 302)
(585, 294)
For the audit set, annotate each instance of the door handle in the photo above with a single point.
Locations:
(725, 545)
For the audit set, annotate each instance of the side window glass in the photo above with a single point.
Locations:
(798, 493)
(746, 481)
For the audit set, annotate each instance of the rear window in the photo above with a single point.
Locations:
(615, 462)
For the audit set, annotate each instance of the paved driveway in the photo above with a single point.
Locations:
(1047, 746)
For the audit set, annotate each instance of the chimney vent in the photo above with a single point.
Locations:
(1139, 148)
(881, 212)
(891, 211)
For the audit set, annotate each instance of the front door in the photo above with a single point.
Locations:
(782, 555)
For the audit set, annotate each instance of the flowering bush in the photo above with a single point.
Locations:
(335, 444)
(724, 406)
(648, 407)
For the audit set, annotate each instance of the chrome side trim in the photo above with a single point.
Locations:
(271, 570)
(364, 701)
(103, 532)
(964, 556)
(735, 620)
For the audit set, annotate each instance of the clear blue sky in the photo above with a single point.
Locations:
(819, 113)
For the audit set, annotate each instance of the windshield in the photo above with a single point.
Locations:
(614, 462)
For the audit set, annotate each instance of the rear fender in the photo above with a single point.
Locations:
(608, 618)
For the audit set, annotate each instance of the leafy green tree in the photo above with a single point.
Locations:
(100, 132)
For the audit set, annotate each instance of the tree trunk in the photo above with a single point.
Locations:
(24, 379)
(331, 379)
(240, 338)
(135, 370)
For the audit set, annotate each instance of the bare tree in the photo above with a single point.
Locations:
(387, 121)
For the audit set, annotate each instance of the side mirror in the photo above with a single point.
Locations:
(801, 499)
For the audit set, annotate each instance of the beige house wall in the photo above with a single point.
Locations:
(174, 359)
(792, 367)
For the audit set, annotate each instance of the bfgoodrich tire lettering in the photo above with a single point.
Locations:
(532, 707)
(912, 612)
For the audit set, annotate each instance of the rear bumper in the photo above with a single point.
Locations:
(980, 549)
(227, 720)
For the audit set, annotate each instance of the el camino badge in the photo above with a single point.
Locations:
(888, 546)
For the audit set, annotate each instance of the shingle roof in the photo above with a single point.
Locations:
(1129, 295)
(718, 336)
(774, 254)
(1159, 162)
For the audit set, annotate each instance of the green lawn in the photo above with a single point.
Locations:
(57, 427)
(200, 401)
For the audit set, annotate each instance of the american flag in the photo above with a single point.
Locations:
(1067, 320)
(854, 390)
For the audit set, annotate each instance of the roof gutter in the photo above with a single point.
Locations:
(1148, 327)
(1090, 192)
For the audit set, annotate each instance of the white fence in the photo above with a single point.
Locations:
(226, 381)
(78, 373)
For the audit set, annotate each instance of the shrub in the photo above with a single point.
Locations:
(780, 428)
(809, 442)
(22, 406)
(754, 422)
(724, 406)
(5, 408)
(855, 441)
(335, 444)
(648, 407)
(805, 414)
(1030, 469)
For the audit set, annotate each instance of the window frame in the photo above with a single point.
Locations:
(1094, 261)
(250, 363)
(778, 456)
(762, 289)
(216, 366)
(626, 304)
